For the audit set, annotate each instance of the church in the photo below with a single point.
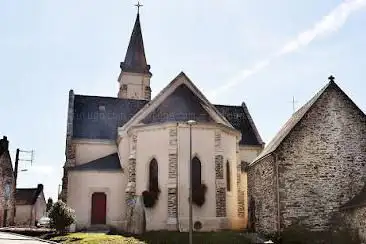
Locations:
(313, 172)
(132, 146)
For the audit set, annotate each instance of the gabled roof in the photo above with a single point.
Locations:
(239, 117)
(108, 163)
(27, 196)
(295, 119)
(169, 89)
(135, 59)
(99, 117)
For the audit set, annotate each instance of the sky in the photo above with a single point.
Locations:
(259, 52)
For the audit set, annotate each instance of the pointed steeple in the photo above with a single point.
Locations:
(135, 59)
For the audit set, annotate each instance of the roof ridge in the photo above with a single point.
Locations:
(115, 98)
(288, 126)
(227, 105)
(252, 124)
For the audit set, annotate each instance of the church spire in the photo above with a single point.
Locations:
(135, 59)
(134, 79)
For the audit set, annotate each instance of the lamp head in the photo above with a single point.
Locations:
(191, 122)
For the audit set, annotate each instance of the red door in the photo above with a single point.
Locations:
(99, 208)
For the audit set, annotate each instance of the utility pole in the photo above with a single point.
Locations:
(16, 166)
(17, 159)
(190, 123)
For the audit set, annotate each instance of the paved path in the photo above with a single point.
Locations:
(9, 238)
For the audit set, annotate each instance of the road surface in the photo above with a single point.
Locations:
(9, 238)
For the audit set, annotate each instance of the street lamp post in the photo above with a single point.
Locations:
(190, 122)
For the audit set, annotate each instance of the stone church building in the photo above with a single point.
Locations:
(313, 172)
(132, 145)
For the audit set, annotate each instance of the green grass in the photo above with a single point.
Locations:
(154, 238)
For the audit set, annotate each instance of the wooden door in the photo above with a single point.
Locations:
(99, 208)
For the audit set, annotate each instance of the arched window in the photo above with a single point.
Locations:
(153, 176)
(196, 173)
(228, 179)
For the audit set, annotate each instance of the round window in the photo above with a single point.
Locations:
(197, 225)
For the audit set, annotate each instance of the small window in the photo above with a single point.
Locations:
(228, 179)
(153, 176)
(101, 108)
(196, 173)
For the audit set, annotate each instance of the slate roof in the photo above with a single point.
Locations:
(107, 163)
(27, 196)
(99, 117)
(135, 59)
(240, 119)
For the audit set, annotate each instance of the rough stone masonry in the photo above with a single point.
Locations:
(320, 163)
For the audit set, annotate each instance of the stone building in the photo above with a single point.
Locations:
(6, 185)
(314, 169)
(30, 205)
(119, 148)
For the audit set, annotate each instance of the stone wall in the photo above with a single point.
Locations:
(7, 185)
(148, 93)
(24, 215)
(356, 219)
(262, 196)
(172, 176)
(130, 191)
(70, 147)
(220, 187)
(322, 163)
(240, 193)
(321, 166)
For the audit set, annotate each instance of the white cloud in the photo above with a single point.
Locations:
(330, 23)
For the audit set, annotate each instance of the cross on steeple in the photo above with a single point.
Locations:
(138, 5)
(331, 78)
(293, 104)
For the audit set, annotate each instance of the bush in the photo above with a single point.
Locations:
(49, 204)
(198, 195)
(61, 216)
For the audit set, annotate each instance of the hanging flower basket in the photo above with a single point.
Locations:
(198, 195)
(150, 197)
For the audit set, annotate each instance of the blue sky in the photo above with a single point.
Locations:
(50, 47)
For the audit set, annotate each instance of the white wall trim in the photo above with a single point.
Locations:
(168, 125)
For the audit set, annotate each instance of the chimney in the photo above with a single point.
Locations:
(4, 145)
